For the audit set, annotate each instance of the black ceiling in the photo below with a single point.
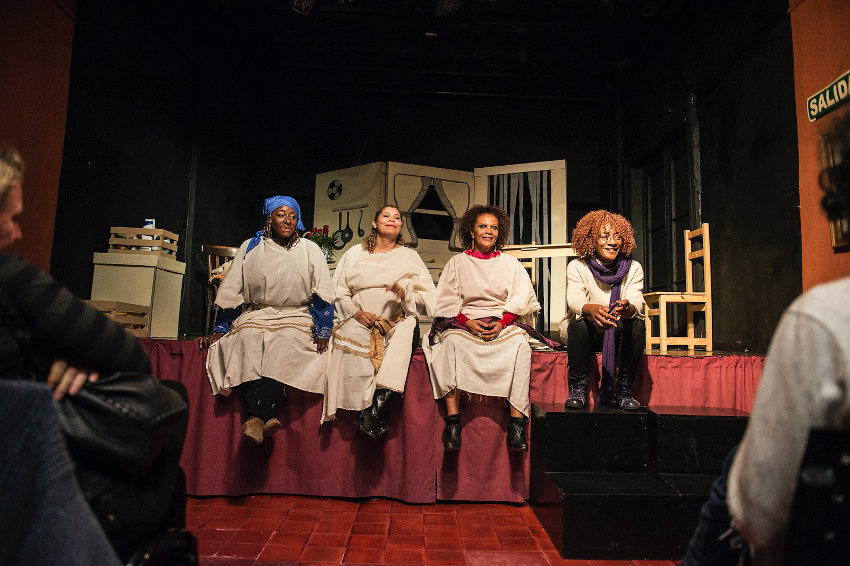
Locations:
(529, 48)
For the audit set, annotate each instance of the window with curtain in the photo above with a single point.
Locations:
(525, 198)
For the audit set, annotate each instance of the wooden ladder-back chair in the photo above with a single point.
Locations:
(216, 257)
(694, 301)
(530, 265)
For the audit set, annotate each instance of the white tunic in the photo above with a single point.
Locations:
(502, 367)
(360, 282)
(273, 336)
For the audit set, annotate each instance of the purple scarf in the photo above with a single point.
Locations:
(611, 274)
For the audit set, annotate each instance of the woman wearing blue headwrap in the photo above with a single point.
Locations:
(280, 288)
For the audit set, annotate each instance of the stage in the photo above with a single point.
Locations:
(408, 464)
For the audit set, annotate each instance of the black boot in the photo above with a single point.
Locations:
(451, 434)
(379, 406)
(578, 396)
(368, 422)
(516, 434)
(624, 399)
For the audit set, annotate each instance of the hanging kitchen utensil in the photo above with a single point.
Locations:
(348, 233)
(337, 236)
(360, 231)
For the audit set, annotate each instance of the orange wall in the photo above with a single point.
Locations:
(36, 37)
(821, 55)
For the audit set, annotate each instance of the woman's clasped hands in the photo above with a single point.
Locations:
(607, 317)
(485, 330)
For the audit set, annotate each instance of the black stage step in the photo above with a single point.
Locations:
(596, 439)
(612, 484)
(696, 440)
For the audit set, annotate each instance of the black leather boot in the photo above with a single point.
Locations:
(373, 419)
(451, 434)
(368, 422)
(516, 434)
(624, 399)
(578, 396)
(379, 406)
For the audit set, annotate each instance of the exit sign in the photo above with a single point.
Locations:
(830, 98)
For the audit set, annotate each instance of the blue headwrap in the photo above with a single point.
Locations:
(270, 205)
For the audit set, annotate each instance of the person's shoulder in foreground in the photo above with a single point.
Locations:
(805, 384)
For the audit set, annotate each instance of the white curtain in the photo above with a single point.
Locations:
(525, 199)
(453, 196)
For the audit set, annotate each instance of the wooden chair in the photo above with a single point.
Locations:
(694, 301)
(527, 254)
(530, 263)
(216, 257)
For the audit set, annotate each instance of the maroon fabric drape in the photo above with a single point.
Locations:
(336, 460)
(302, 458)
(725, 381)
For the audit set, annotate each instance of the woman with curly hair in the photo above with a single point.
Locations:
(279, 287)
(382, 287)
(605, 308)
(477, 343)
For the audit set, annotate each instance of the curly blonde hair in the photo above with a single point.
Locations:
(587, 231)
(470, 217)
(370, 241)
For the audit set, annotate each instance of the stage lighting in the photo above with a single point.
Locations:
(302, 6)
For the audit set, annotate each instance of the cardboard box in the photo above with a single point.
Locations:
(153, 281)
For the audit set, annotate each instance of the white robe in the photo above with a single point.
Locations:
(360, 282)
(273, 336)
(502, 367)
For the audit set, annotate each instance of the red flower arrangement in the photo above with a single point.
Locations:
(321, 238)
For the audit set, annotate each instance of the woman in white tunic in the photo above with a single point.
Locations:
(381, 287)
(281, 285)
(476, 344)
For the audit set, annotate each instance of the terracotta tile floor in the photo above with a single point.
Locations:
(289, 530)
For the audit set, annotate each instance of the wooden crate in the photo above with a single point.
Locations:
(135, 318)
(127, 240)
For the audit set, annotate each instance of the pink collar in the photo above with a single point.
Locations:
(479, 255)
